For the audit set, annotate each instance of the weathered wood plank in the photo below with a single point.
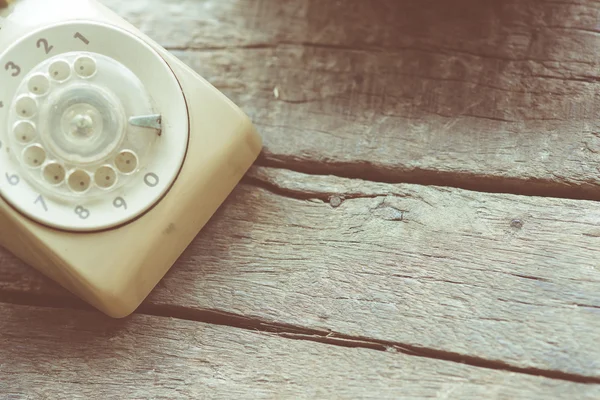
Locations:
(496, 95)
(503, 278)
(47, 353)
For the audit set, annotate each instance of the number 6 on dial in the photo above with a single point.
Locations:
(117, 153)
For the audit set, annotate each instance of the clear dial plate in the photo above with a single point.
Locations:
(93, 126)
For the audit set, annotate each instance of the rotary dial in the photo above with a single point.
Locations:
(94, 126)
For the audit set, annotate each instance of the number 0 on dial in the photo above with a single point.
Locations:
(93, 126)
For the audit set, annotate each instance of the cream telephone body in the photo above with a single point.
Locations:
(113, 153)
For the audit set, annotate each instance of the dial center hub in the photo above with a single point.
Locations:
(81, 125)
(86, 123)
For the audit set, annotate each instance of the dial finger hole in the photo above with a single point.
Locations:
(60, 70)
(79, 181)
(85, 66)
(126, 161)
(54, 173)
(24, 131)
(38, 85)
(34, 156)
(26, 107)
(105, 177)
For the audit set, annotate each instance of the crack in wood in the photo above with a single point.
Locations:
(367, 171)
(428, 49)
(290, 331)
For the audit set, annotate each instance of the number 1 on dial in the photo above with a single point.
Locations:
(81, 37)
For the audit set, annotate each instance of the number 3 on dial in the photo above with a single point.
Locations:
(14, 67)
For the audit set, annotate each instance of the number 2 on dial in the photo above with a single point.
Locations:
(44, 42)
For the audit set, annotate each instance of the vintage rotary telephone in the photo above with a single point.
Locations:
(113, 153)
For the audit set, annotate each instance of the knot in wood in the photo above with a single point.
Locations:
(335, 201)
(516, 223)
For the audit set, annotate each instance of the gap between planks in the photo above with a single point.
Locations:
(458, 180)
(293, 332)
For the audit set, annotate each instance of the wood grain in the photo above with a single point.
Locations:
(506, 279)
(501, 97)
(490, 95)
(48, 354)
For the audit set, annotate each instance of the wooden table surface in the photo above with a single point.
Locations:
(422, 223)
